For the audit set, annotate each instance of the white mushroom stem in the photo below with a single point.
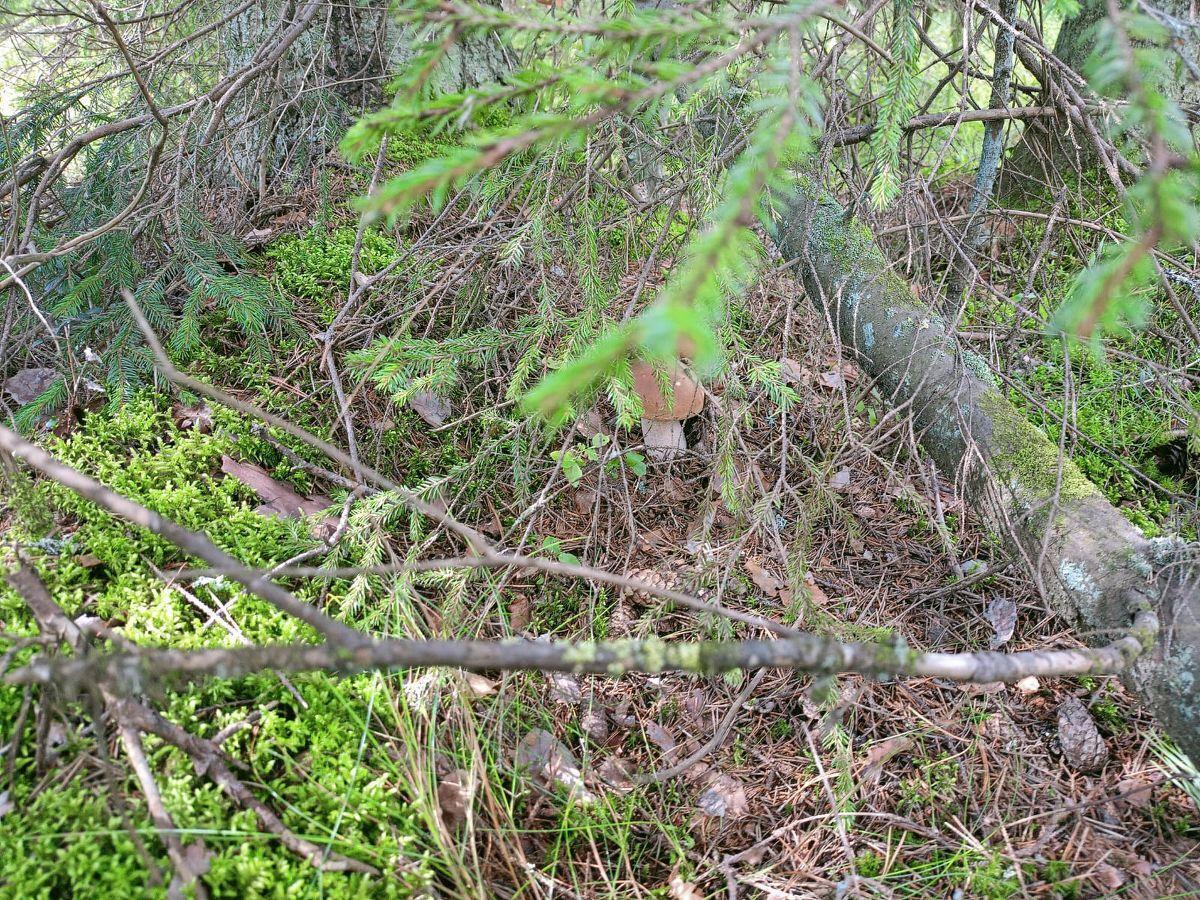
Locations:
(663, 439)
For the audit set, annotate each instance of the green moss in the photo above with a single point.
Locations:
(309, 760)
(1025, 458)
(316, 264)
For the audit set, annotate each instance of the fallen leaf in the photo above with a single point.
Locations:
(590, 423)
(452, 799)
(1136, 791)
(29, 384)
(430, 407)
(792, 372)
(764, 580)
(256, 237)
(840, 480)
(519, 614)
(1028, 685)
(478, 685)
(549, 761)
(832, 379)
(617, 773)
(87, 560)
(564, 687)
(192, 418)
(724, 798)
(879, 755)
(1083, 747)
(1143, 868)
(279, 499)
(663, 739)
(695, 703)
(585, 501)
(593, 719)
(989, 687)
(1108, 877)
(1002, 614)
(816, 594)
(678, 889)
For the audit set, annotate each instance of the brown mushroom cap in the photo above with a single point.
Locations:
(687, 402)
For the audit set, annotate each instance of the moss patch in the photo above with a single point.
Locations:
(1024, 456)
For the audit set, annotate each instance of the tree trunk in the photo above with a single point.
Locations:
(274, 133)
(1050, 147)
(1085, 556)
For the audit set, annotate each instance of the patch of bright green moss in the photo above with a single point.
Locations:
(316, 761)
(314, 264)
(1022, 453)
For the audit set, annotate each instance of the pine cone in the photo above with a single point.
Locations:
(651, 577)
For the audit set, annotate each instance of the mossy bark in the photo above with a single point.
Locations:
(1050, 147)
(1086, 557)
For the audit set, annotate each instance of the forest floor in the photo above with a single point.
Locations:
(820, 512)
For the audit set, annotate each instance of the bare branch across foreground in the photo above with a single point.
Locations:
(137, 670)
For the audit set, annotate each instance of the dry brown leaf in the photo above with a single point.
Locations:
(1002, 614)
(590, 423)
(815, 593)
(564, 687)
(840, 480)
(1083, 747)
(833, 380)
(548, 760)
(593, 719)
(430, 407)
(478, 685)
(1136, 791)
(617, 773)
(585, 501)
(29, 384)
(764, 580)
(519, 613)
(279, 499)
(880, 754)
(663, 739)
(1108, 877)
(256, 237)
(452, 799)
(678, 889)
(792, 372)
(192, 418)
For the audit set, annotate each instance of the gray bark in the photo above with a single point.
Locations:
(1086, 557)
(334, 73)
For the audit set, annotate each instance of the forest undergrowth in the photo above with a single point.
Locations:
(799, 500)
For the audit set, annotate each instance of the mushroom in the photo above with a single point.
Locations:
(662, 419)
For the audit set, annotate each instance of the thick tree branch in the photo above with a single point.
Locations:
(1082, 552)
